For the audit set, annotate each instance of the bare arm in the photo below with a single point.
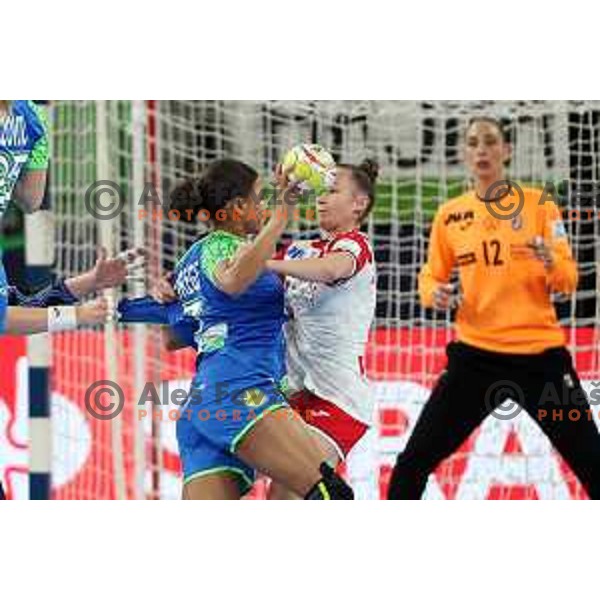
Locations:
(107, 272)
(235, 276)
(162, 291)
(29, 190)
(554, 251)
(238, 274)
(336, 266)
(171, 341)
(435, 290)
(20, 320)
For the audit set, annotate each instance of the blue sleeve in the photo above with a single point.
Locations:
(148, 310)
(142, 310)
(183, 326)
(4, 295)
(3, 307)
(40, 154)
(52, 295)
(13, 295)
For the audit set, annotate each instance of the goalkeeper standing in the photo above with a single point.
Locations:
(509, 341)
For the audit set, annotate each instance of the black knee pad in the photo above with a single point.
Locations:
(330, 487)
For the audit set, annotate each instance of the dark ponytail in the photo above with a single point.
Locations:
(222, 181)
(370, 168)
(365, 176)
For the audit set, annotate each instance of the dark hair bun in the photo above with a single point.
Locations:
(186, 196)
(222, 181)
(370, 168)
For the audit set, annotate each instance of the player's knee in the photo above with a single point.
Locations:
(330, 487)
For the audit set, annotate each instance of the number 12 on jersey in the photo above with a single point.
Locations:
(491, 253)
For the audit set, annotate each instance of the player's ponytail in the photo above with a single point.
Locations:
(222, 181)
(365, 175)
(370, 168)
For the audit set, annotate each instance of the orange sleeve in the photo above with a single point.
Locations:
(563, 276)
(440, 261)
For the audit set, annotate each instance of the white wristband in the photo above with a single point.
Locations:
(62, 318)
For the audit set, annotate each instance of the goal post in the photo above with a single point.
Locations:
(39, 256)
(151, 145)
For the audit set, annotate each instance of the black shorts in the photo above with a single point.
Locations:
(474, 385)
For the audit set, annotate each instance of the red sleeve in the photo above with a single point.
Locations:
(355, 244)
(282, 248)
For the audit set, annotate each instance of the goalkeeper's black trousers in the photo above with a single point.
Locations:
(474, 385)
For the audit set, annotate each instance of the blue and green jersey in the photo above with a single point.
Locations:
(237, 336)
(23, 147)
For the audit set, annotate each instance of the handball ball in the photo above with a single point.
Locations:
(312, 167)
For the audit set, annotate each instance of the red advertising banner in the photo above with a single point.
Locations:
(503, 459)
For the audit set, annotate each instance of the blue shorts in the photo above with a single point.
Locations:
(215, 420)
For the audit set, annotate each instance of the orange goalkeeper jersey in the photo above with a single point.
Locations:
(506, 306)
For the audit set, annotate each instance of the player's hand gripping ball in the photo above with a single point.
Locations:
(311, 167)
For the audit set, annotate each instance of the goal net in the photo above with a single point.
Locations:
(145, 147)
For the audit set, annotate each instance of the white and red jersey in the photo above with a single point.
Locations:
(329, 325)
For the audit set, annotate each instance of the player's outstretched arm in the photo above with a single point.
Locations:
(25, 321)
(107, 272)
(161, 308)
(328, 269)
(181, 328)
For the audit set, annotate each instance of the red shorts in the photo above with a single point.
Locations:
(336, 425)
